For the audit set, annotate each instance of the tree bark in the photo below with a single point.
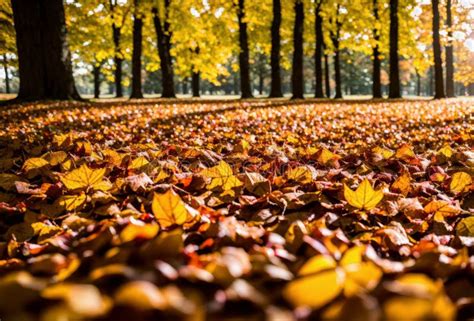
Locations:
(449, 53)
(297, 79)
(43, 55)
(418, 84)
(327, 80)
(337, 63)
(245, 88)
(96, 73)
(394, 76)
(438, 63)
(164, 45)
(318, 55)
(5, 68)
(195, 84)
(137, 55)
(275, 90)
(376, 83)
(261, 78)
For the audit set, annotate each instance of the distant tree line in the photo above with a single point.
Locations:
(214, 45)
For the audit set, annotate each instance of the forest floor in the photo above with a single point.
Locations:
(237, 210)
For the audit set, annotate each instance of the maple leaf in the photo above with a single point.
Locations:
(169, 209)
(364, 197)
(302, 174)
(222, 176)
(85, 178)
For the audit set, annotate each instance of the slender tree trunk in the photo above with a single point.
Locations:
(438, 63)
(297, 79)
(449, 53)
(394, 76)
(337, 62)
(431, 81)
(376, 84)
(185, 85)
(96, 73)
(327, 80)
(116, 32)
(246, 91)
(318, 55)
(43, 55)
(275, 90)
(5, 68)
(261, 78)
(418, 84)
(164, 46)
(195, 84)
(137, 55)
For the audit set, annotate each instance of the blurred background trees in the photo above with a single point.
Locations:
(242, 47)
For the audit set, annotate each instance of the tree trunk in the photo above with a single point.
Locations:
(137, 56)
(195, 84)
(246, 91)
(5, 68)
(96, 72)
(275, 90)
(297, 79)
(261, 78)
(327, 81)
(418, 84)
(337, 62)
(438, 63)
(164, 46)
(449, 53)
(116, 33)
(318, 55)
(376, 84)
(43, 55)
(394, 76)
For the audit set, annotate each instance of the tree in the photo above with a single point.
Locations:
(327, 78)
(438, 63)
(449, 52)
(275, 90)
(245, 87)
(394, 74)
(43, 54)
(163, 34)
(376, 83)
(137, 52)
(118, 14)
(335, 23)
(318, 55)
(297, 79)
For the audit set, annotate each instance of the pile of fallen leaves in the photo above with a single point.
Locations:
(237, 210)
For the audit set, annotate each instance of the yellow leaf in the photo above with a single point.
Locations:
(365, 197)
(144, 231)
(7, 181)
(318, 283)
(446, 151)
(385, 153)
(138, 163)
(83, 178)
(302, 174)
(34, 163)
(361, 276)
(71, 202)
(465, 227)
(326, 156)
(169, 209)
(459, 182)
(441, 209)
(405, 152)
(222, 176)
(403, 184)
(56, 158)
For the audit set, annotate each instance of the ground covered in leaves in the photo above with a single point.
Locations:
(232, 210)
